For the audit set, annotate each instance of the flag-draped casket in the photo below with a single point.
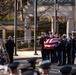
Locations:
(50, 43)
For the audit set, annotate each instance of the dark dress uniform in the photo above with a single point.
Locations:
(66, 70)
(13, 66)
(73, 71)
(32, 61)
(31, 73)
(45, 67)
(69, 50)
(53, 53)
(43, 52)
(24, 67)
(59, 50)
(64, 47)
(28, 73)
(73, 50)
(46, 50)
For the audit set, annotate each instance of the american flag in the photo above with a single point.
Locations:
(50, 43)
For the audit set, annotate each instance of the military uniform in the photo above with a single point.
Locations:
(30, 73)
(53, 51)
(24, 67)
(45, 67)
(64, 48)
(32, 61)
(74, 50)
(29, 68)
(14, 68)
(66, 70)
(69, 49)
(73, 72)
(43, 52)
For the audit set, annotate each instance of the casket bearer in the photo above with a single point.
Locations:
(43, 52)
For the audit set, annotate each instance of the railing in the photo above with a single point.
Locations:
(22, 43)
(26, 43)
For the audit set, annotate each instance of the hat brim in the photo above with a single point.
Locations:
(23, 66)
(45, 66)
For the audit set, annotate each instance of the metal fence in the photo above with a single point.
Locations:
(27, 43)
(22, 43)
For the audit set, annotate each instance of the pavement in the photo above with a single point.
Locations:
(24, 55)
(27, 54)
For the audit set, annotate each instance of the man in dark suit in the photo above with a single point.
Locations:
(10, 48)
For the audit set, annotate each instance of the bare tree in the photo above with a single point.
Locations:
(6, 7)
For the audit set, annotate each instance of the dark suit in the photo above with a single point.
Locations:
(10, 49)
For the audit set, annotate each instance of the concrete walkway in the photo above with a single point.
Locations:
(27, 54)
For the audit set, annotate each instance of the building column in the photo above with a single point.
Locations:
(52, 25)
(4, 35)
(70, 26)
(27, 30)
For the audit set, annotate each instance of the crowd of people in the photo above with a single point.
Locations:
(7, 50)
(6, 53)
(64, 51)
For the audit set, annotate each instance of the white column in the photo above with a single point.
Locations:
(70, 26)
(27, 30)
(52, 25)
(75, 11)
(54, 30)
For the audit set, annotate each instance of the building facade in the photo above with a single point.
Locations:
(45, 8)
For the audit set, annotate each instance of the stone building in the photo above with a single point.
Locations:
(45, 9)
(7, 28)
